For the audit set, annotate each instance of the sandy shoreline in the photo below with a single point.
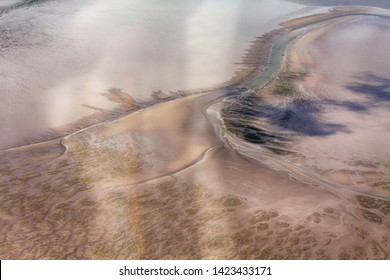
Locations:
(318, 82)
(58, 64)
(161, 183)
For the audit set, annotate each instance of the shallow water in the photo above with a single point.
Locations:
(355, 100)
(161, 184)
(58, 56)
(337, 128)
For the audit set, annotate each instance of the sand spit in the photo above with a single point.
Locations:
(257, 57)
(353, 154)
(64, 59)
(164, 183)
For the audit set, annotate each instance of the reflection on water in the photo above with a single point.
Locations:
(333, 110)
(59, 55)
(170, 181)
(355, 90)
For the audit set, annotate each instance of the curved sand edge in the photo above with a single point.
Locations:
(99, 201)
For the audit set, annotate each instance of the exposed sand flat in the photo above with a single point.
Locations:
(57, 56)
(83, 204)
(351, 97)
(166, 137)
(169, 182)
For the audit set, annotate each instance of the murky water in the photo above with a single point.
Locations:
(335, 125)
(58, 56)
(177, 180)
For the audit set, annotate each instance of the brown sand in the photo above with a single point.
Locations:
(357, 147)
(159, 184)
(83, 203)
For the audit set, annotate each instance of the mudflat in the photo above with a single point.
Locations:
(285, 171)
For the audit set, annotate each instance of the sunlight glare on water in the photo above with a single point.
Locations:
(71, 51)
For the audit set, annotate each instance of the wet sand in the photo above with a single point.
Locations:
(169, 181)
(352, 100)
(72, 52)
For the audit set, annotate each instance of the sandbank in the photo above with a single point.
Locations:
(169, 182)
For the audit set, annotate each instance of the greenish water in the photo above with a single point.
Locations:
(60, 55)
(275, 62)
(278, 50)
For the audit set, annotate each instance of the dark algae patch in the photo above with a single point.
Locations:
(243, 118)
(374, 203)
(257, 119)
(374, 208)
(371, 217)
(284, 87)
